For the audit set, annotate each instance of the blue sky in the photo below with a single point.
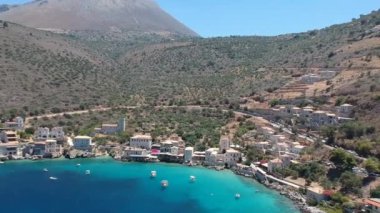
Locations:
(261, 17)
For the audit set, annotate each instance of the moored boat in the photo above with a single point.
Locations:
(153, 174)
(88, 172)
(192, 178)
(164, 184)
(45, 170)
(53, 178)
(237, 195)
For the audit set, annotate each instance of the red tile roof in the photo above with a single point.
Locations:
(372, 202)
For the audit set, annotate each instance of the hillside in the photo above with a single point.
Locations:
(43, 70)
(95, 15)
(152, 68)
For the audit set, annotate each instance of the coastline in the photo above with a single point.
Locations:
(294, 196)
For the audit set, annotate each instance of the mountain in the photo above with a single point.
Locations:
(95, 15)
(41, 69)
(46, 70)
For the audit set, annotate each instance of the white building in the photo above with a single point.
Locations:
(224, 143)
(310, 78)
(232, 157)
(8, 137)
(53, 148)
(281, 147)
(328, 74)
(7, 149)
(307, 112)
(109, 129)
(277, 139)
(297, 149)
(82, 143)
(132, 151)
(213, 157)
(141, 141)
(188, 154)
(43, 133)
(345, 110)
(16, 124)
(174, 150)
(57, 133)
(274, 164)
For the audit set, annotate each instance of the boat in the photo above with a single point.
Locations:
(46, 170)
(78, 164)
(53, 178)
(237, 195)
(1, 162)
(192, 178)
(88, 172)
(153, 174)
(164, 183)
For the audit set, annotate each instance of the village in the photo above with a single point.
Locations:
(281, 147)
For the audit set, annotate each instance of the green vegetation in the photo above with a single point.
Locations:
(372, 165)
(350, 182)
(200, 128)
(375, 192)
(44, 70)
(355, 130)
(342, 159)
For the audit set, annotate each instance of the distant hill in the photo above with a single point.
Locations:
(41, 69)
(95, 15)
(45, 70)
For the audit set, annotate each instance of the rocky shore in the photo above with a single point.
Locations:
(298, 199)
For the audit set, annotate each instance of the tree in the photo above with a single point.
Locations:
(342, 159)
(372, 165)
(254, 154)
(329, 132)
(364, 148)
(375, 192)
(274, 102)
(313, 171)
(338, 197)
(350, 182)
(29, 131)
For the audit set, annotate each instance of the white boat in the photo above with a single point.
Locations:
(88, 172)
(153, 174)
(164, 183)
(1, 162)
(46, 170)
(192, 178)
(53, 178)
(78, 164)
(237, 195)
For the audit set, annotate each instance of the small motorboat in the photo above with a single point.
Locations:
(46, 170)
(78, 165)
(53, 178)
(237, 196)
(164, 184)
(153, 174)
(192, 178)
(88, 172)
(1, 162)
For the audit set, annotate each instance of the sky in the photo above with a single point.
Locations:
(211, 18)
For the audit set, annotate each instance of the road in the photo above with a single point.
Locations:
(51, 115)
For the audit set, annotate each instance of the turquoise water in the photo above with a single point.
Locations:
(127, 187)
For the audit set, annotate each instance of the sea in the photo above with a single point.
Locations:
(114, 186)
